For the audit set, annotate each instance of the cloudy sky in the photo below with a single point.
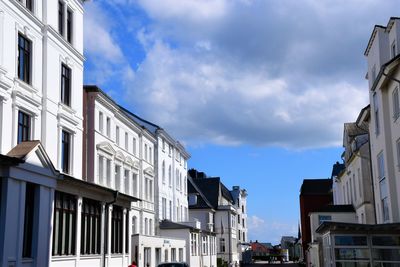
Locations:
(258, 90)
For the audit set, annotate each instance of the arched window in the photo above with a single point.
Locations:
(163, 171)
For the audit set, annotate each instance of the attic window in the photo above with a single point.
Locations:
(192, 199)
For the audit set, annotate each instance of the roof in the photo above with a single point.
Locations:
(7, 160)
(316, 187)
(167, 224)
(202, 201)
(385, 28)
(352, 129)
(335, 208)
(22, 149)
(362, 119)
(211, 187)
(392, 228)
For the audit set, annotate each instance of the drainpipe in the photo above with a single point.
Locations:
(105, 231)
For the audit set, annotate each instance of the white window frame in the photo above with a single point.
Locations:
(396, 103)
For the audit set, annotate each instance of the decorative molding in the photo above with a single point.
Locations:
(106, 147)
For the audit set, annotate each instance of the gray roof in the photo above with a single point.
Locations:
(211, 187)
(202, 201)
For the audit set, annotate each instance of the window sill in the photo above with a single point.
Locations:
(28, 87)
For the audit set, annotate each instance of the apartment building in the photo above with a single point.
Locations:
(122, 154)
(225, 210)
(239, 197)
(383, 75)
(353, 184)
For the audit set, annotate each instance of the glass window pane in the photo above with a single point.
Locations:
(352, 253)
(350, 240)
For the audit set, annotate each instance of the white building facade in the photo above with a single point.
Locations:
(383, 75)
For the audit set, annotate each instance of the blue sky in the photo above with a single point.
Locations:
(257, 90)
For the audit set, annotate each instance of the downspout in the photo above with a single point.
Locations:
(105, 231)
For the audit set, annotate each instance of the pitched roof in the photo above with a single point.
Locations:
(335, 208)
(352, 129)
(22, 149)
(316, 187)
(7, 160)
(211, 187)
(202, 201)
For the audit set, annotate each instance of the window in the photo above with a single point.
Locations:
(398, 153)
(170, 175)
(396, 104)
(324, 218)
(101, 122)
(376, 113)
(134, 229)
(24, 127)
(134, 146)
(222, 245)
(108, 125)
(164, 208)
(90, 227)
(69, 25)
(65, 85)
(150, 227)
(166, 255)
(163, 144)
(193, 244)
(134, 184)
(242, 208)
(117, 135)
(173, 254)
(360, 182)
(28, 220)
(61, 17)
(64, 224)
(28, 4)
(384, 200)
(170, 210)
(169, 150)
(65, 151)
(163, 171)
(126, 141)
(381, 167)
(150, 190)
(393, 49)
(373, 73)
(150, 155)
(146, 229)
(116, 230)
(118, 177)
(126, 181)
(101, 170)
(108, 172)
(24, 58)
(177, 179)
(145, 151)
(204, 245)
(180, 254)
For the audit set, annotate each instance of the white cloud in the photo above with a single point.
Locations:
(269, 231)
(234, 72)
(98, 41)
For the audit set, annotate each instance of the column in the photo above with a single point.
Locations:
(78, 227)
(103, 230)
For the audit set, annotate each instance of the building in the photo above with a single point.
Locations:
(353, 184)
(225, 218)
(335, 213)
(240, 197)
(122, 154)
(314, 194)
(383, 74)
